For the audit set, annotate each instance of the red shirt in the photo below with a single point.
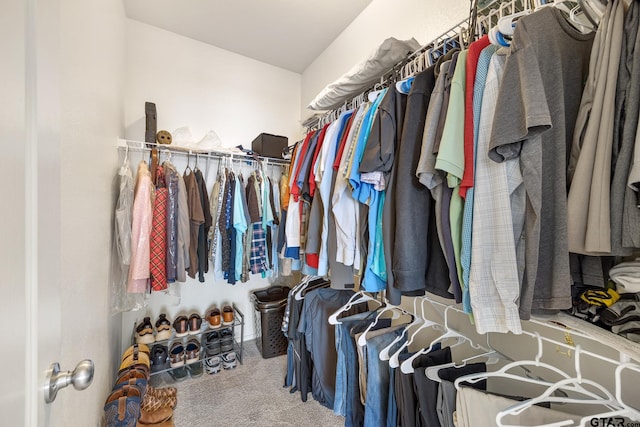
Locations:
(295, 190)
(472, 63)
(312, 176)
(343, 142)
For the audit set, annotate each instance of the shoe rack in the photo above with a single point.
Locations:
(238, 339)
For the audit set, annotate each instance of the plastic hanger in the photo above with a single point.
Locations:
(303, 283)
(384, 353)
(503, 372)
(362, 340)
(357, 298)
(493, 356)
(606, 399)
(310, 283)
(407, 366)
(125, 161)
(394, 361)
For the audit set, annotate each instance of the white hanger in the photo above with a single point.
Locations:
(493, 356)
(573, 384)
(361, 297)
(626, 410)
(407, 366)
(306, 282)
(125, 161)
(362, 340)
(394, 361)
(502, 372)
(384, 353)
(301, 286)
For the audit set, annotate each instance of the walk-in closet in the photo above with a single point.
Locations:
(371, 213)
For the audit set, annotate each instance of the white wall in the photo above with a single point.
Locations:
(402, 19)
(91, 90)
(197, 85)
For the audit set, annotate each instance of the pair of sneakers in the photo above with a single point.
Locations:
(219, 351)
(145, 331)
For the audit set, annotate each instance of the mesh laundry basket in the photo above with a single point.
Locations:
(269, 305)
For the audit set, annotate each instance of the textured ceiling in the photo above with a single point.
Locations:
(285, 33)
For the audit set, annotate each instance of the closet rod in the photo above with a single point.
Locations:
(142, 146)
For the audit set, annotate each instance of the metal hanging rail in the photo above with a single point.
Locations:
(144, 146)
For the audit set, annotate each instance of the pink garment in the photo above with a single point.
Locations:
(141, 231)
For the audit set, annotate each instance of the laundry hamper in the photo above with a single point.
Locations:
(269, 306)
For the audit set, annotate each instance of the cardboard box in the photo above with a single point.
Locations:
(268, 145)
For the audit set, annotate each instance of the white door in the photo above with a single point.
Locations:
(30, 209)
(61, 112)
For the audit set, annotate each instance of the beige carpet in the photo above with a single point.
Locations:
(249, 395)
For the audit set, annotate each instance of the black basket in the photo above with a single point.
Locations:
(269, 306)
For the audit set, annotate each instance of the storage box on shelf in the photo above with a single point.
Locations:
(236, 343)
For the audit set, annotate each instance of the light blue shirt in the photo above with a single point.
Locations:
(467, 219)
(362, 190)
(241, 225)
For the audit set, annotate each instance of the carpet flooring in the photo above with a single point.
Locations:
(249, 395)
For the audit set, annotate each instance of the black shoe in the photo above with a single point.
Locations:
(226, 340)
(212, 343)
(179, 374)
(159, 358)
(195, 369)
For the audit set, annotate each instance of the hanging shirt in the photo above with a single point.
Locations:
(184, 232)
(361, 191)
(196, 218)
(494, 284)
(450, 158)
(216, 250)
(472, 62)
(333, 138)
(314, 160)
(171, 178)
(224, 225)
(482, 69)
(426, 170)
(141, 230)
(240, 225)
(625, 216)
(588, 204)
(294, 187)
(345, 207)
(203, 230)
(123, 215)
(121, 248)
(231, 232)
(418, 262)
(158, 239)
(213, 205)
(535, 116)
(292, 230)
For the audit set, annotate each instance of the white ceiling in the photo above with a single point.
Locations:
(285, 33)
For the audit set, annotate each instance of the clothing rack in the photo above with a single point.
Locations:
(124, 144)
(460, 32)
